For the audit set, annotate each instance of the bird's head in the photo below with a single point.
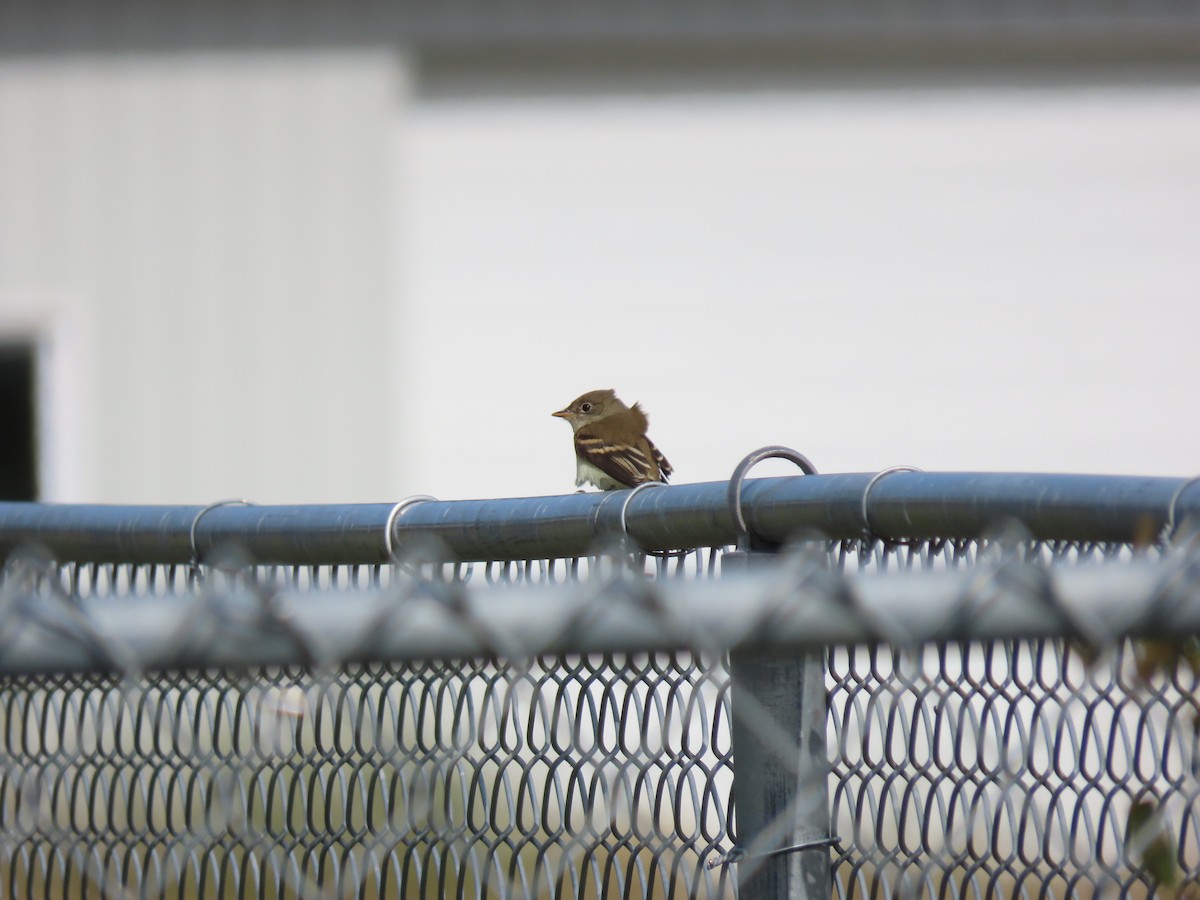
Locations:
(591, 407)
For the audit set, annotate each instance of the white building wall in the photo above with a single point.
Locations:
(209, 249)
(204, 246)
(949, 271)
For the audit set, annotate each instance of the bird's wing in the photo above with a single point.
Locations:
(623, 461)
(664, 467)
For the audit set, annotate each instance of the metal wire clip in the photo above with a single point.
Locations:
(736, 480)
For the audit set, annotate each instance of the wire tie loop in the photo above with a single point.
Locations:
(389, 537)
(736, 480)
(869, 531)
(737, 854)
(196, 521)
(625, 506)
(1170, 528)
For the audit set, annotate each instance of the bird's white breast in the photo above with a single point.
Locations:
(586, 473)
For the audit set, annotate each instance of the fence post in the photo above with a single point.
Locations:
(780, 778)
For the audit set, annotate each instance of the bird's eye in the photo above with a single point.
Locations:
(585, 407)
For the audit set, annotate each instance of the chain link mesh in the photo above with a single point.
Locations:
(958, 769)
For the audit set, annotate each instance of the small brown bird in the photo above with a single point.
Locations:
(611, 447)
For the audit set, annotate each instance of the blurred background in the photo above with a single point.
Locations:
(310, 252)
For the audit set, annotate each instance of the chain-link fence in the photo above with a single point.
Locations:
(943, 685)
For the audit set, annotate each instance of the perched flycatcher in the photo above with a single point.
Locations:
(611, 447)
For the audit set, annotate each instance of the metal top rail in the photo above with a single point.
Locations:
(902, 505)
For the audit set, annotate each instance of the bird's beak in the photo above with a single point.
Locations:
(562, 414)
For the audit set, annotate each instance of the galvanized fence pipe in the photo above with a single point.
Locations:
(903, 505)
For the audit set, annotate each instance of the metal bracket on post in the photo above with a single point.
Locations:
(778, 711)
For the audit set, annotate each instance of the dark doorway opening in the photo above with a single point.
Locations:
(18, 444)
